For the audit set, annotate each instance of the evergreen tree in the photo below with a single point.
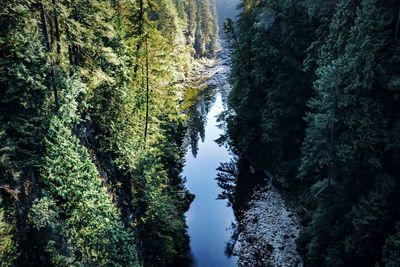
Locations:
(342, 147)
(112, 153)
(24, 89)
(347, 172)
(270, 88)
(83, 223)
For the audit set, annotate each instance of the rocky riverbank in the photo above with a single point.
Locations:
(268, 231)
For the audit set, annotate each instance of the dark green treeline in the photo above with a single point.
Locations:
(316, 103)
(91, 129)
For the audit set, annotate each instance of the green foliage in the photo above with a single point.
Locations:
(344, 138)
(228, 26)
(269, 100)
(391, 250)
(205, 30)
(78, 177)
(8, 246)
(336, 65)
(76, 207)
(23, 108)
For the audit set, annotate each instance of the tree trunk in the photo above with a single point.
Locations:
(44, 27)
(147, 92)
(58, 50)
(140, 32)
(57, 29)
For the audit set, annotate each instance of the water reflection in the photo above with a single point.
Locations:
(202, 99)
(198, 118)
(237, 181)
(208, 218)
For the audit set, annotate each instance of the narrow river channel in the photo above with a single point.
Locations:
(208, 219)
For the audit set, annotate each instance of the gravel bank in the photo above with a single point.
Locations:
(268, 232)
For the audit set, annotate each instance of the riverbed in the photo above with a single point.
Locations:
(208, 219)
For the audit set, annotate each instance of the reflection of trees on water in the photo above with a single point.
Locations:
(237, 181)
(198, 118)
(227, 177)
(203, 102)
(224, 95)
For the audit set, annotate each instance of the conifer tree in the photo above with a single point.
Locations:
(270, 88)
(24, 89)
(94, 182)
(346, 173)
(342, 147)
(75, 207)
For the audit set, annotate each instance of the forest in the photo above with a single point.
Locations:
(315, 103)
(91, 126)
(100, 101)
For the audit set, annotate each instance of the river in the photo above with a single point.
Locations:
(266, 231)
(208, 219)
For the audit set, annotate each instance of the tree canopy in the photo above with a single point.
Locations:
(315, 103)
(91, 127)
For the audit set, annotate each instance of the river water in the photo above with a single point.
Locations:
(266, 230)
(208, 219)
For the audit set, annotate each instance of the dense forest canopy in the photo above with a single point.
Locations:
(91, 129)
(94, 109)
(316, 104)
